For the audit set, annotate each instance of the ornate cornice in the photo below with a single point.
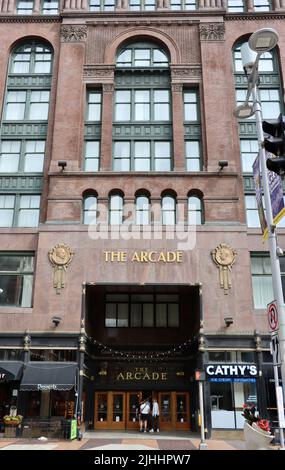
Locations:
(212, 32)
(97, 71)
(73, 33)
(30, 19)
(186, 72)
(158, 21)
(254, 17)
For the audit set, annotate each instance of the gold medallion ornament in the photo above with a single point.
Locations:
(60, 257)
(224, 256)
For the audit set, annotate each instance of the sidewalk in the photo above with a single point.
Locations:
(114, 440)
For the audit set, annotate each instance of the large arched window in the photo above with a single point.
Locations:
(90, 209)
(116, 205)
(270, 96)
(142, 209)
(168, 209)
(194, 210)
(24, 128)
(142, 109)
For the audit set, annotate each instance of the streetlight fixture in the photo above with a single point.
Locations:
(259, 42)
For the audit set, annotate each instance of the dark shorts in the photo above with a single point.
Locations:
(144, 416)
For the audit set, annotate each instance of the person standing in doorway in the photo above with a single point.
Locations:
(155, 416)
(144, 413)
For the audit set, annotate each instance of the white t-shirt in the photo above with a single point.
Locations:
(155, 409)
(145, 409)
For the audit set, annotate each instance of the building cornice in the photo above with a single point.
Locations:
(30, 19)
(255, 17)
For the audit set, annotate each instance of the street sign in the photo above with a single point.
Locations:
(272, 316)
(275, 349)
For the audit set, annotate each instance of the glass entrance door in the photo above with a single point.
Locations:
(110, 410)
(101, 419)
(133, 400)
(118, 410)
(166, 410)
(182, 413)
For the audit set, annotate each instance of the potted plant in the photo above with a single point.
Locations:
(11, 424)
(256, 430)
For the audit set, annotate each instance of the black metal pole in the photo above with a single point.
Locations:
(81, 351)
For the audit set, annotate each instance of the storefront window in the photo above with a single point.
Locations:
(222, 356)
(62, 403)
(227, 399)
(53, 355)
(33, 404)
(10, 354)
(232, 356)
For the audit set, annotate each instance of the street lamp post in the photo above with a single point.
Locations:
(262, 41)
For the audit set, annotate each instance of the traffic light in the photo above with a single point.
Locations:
(275, 143)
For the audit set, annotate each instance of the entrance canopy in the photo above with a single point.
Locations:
(49, 376)
(10, 370)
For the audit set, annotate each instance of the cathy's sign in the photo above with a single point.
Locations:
(231, 370)
(143, 256)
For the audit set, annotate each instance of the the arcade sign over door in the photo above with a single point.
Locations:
(231, 372)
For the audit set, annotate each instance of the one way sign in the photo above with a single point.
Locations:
(275, 350)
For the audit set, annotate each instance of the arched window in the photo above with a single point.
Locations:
(116, 204)
(142, 109)
(24, 127)
(140, 54)
(194, 210)
(168, 208)
(142, 209)
(90, 209)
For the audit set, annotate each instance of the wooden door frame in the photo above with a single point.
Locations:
(178, 425)
(121, 424)
(99, 424)
(131, 424)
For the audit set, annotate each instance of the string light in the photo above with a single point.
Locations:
(142, 355)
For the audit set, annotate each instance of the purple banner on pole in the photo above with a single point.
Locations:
(276, 194)
(258, 194)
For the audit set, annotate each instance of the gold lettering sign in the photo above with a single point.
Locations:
(144, 257)
(141, 374)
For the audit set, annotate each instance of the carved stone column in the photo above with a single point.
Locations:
(107, 126)
(178, 127)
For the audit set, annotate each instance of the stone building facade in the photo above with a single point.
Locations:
(117, 114)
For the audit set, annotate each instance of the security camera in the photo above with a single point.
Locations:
(223, 163)
(228, 321)
(62, 164)
(56, 320)
(279, 251)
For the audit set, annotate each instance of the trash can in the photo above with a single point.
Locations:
(70, 429)
(73, 429)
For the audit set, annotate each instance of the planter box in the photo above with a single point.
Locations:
(256, 439)
(10, 431)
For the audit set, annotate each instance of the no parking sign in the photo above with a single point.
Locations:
(272, 316)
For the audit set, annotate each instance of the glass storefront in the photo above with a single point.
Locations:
(227, 399)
